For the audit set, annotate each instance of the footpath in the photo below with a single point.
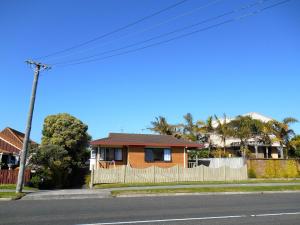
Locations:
(106, 193)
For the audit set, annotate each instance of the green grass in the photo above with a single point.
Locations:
(11, 195)
(13, 186)
(208, 189)
(103, 186)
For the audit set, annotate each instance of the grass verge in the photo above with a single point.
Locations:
(103, 186)
(11, 195)
(207, 189)
(13, 186)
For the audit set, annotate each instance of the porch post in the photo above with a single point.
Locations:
(0, 159)
(97, 157)
(281, 152)
(256, 151)
(184, 158)
(267, 152)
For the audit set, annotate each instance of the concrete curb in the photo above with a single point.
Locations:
(202, 193)
(6, 199)
(67, 196)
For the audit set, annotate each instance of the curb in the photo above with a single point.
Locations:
(6, 199)
(60, 197)
(202, 194)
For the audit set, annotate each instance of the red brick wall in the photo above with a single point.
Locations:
(136, 158)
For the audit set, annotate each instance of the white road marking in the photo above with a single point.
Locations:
(276, 214)
(196, 218)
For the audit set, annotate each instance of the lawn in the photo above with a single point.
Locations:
(13, 186)
(207, 189)
(11, 195)
(103, 186)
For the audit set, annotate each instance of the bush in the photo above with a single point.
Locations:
(251, 173)
(219, 153)
(87, 179)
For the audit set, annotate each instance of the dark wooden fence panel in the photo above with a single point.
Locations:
(11, 176)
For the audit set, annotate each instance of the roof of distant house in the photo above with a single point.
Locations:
(11, 140)
(123, 139)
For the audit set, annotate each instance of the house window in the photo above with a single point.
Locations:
(157, 154)
(110, 154)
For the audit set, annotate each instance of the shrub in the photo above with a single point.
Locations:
(251, 173)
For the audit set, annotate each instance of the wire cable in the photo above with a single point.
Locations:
(184, 35)
(140, 31)
(114, 31)
(245, 7)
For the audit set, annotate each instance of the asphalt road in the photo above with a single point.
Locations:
(250, 209)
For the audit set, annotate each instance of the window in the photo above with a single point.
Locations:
(110, 154)
(157, 154)
(118, 154)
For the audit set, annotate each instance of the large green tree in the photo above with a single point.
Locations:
(52, 166)
(68, 132)
(244, 128)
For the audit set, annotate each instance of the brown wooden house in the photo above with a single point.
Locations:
(140, 151)
(11, 142)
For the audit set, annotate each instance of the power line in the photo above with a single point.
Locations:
(114, 31)
(141, 31)
(185, 35)
(168, 33)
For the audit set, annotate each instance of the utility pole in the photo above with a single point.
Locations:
(38, 68)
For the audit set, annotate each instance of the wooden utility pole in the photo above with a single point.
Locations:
(38, 68)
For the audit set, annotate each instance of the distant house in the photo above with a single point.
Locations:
(11, 142)
(257, 148)
(140, 151)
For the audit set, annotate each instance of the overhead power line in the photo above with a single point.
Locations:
(184, 35)
(114, 31)
(152, 27)
(245, 7)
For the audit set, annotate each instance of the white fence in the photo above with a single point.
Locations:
(236, 163)
(125, 174)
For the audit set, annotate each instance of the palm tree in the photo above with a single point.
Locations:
(283, 132)
(161, 126)
(189, 128)
(206, 129)
(223, 130)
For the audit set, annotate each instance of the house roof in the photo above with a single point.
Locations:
(123, 139)
(11, 140)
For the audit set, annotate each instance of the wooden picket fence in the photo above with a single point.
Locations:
(11, 176)
(126, 174)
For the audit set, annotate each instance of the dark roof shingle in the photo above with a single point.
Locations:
(124, 139)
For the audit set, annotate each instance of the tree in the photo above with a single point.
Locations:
(283, 132)
(70, 134)
(190, 129)
(206, 128)
(295, 145)
(244, 128)
(161, 126)
(51, 164)
(223, 130)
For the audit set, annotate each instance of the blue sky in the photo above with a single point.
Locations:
(248, 65)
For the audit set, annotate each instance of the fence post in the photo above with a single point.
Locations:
(153, 174)
(177, 179)
(224, 173)
(92, 177)
(125, 168)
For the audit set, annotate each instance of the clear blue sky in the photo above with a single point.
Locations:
(248, 65)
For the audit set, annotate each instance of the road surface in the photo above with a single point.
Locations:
(266, 209)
